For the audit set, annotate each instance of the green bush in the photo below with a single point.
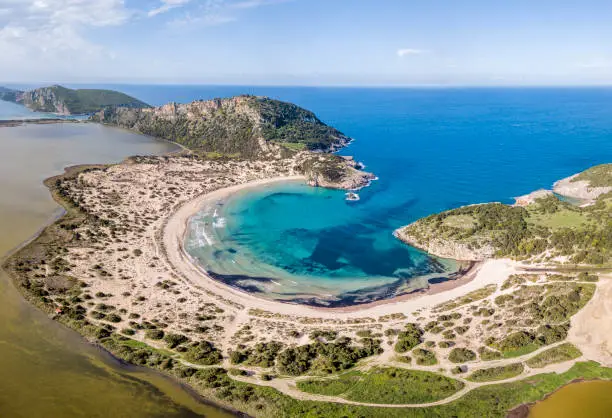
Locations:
(424, 357)
(558, 354)
(203, 352)
(154, 334)
(461, 355)
(325, 357)
(409, 338)
(174, 340)
(497, 373)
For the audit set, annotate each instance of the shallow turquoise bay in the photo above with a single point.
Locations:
(433, 149)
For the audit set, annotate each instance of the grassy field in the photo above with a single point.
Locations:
(460, 221)
(497, 373)
(521, 351)
(491, 401)
(564, 218)
(330, 387)
(386, 386)
(294, 146)
(558, 354)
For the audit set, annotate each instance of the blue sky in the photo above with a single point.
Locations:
(308, 42)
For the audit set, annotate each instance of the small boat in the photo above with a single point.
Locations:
(352, 197)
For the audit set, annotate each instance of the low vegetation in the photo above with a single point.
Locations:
(331, 386)
(497, 373)
(558, 354)
(541, 231)
(386, 386)
(325, 358)
(461, 355)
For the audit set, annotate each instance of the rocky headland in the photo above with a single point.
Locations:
(588, 185)
(539, 228)
(248, 128)
(64, 101)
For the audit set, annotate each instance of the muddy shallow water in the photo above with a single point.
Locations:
(48, 370)
(582, 399)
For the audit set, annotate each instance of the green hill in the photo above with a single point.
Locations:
(247, 126)
(58, 99)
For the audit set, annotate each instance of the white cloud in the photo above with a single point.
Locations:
(217, 12)
(250, 4)
(166, 6)
(50, 33)
(409, 51)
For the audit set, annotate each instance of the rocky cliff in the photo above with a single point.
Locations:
(243, 126)
(64, 101)
(445, 248)
(588, 185)
(332, 171)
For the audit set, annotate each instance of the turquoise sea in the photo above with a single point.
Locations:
(432, 149)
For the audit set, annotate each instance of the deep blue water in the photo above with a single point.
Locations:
(433, 149)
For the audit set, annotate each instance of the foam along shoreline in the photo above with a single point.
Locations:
(173, 239)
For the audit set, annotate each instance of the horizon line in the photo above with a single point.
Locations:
(297, 85)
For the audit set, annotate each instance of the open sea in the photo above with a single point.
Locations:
(431, 148)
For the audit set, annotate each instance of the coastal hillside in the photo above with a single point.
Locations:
(242, 126)
(587, 185)
(539, 228)
(65, 101)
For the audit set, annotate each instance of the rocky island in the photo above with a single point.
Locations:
(114, 269)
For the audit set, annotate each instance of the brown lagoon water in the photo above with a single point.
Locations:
(48, 370)
(578, 400)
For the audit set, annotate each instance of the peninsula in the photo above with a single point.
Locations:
(65, 101)
(113, 268)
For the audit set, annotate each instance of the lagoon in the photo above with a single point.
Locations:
(49, 370)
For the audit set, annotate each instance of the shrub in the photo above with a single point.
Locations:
(497, 373)
(113, 318)
(549, 334)
(515, 341)
(325, 357)
(204, 353)
(424, 357)
(461, 355)
(409, 338)
(558, 354)
(446, 344)
(488, 355)
(154, 334)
